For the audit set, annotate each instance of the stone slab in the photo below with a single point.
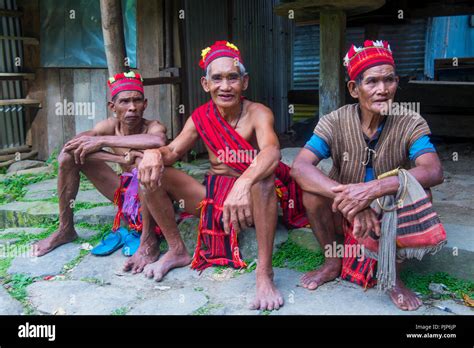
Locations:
(49, 264)
(8, 305)
(78, 297)
(23, 230)
(172, 302)
(99, 215)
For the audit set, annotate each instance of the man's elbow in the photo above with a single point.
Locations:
(438, 176)
(296, 170)
(161, 140)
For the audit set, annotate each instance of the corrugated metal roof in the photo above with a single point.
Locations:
(262, 38)
(407, 42)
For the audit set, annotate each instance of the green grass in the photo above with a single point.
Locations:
(291, 255)
(420, 283)
(4, 266)
(120, 311)
(14, 187)
(206, 309)
(16, 286)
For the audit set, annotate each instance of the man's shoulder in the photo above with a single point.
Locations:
(154, 126)
(343, 111)
(259, 109)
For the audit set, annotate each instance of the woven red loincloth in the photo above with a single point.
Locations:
(213, 248)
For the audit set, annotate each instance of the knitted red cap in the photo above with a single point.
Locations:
(218, 50)
(359, 59)
(128, 81)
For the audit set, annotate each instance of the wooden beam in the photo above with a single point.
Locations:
(151, 81)
(17, 76)
(11, 150)
(114, 39)
(23, 156)
(26, 40)
(24, 102)
(168, 18)
(11, 13)
(331, 73)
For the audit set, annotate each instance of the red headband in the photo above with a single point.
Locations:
(374, 53)
(128, 81)
(218, 50)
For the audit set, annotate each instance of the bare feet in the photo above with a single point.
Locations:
(172, 259)
(147, 253)
(58, 238)
(404, 298)
(327, 272)
(268, 297)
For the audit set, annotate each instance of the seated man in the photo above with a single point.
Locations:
(127, 134)
(238, 192)
(364, 140)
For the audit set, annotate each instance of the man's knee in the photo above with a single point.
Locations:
(65, 159)
(265, 187)
(315, 203)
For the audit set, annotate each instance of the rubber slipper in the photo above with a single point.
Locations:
(131, 243)
(110, 242)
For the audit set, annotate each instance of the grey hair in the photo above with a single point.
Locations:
(242, 70)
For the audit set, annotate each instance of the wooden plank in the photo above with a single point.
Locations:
(10, 150)
(17, 76)
(152, 81)
(442, 83)
(164, 106)
(23, 156)
(37, 120)
(450, 125)
(31, 27)
(114, 39)
(331, 74)
(54, 120)
(24, 102)
(82, 94)
(150, 51)
(11, 13)
(66, 80)
(26, 40)
(99, 94)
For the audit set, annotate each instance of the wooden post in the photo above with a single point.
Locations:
(114, 39)
(331, 70)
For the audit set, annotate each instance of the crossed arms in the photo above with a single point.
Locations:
(90, 143)
(353, 200)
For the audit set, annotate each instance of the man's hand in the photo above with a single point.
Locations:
(238, 207)
(131, 156)
(364, 222)
(352, 198)
(82, 146)
(150, 169)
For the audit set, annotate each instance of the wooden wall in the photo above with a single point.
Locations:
(50, 131)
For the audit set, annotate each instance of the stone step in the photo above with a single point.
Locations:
(23, 214)
(32, 213)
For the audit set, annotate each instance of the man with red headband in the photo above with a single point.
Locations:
(242, 188)
(127, 134)
(366, 140)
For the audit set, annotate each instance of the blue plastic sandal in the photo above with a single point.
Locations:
(110, 242)
(131, 243)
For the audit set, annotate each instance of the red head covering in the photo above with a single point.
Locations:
(218, 50)
(128, 81)
(374, 53)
